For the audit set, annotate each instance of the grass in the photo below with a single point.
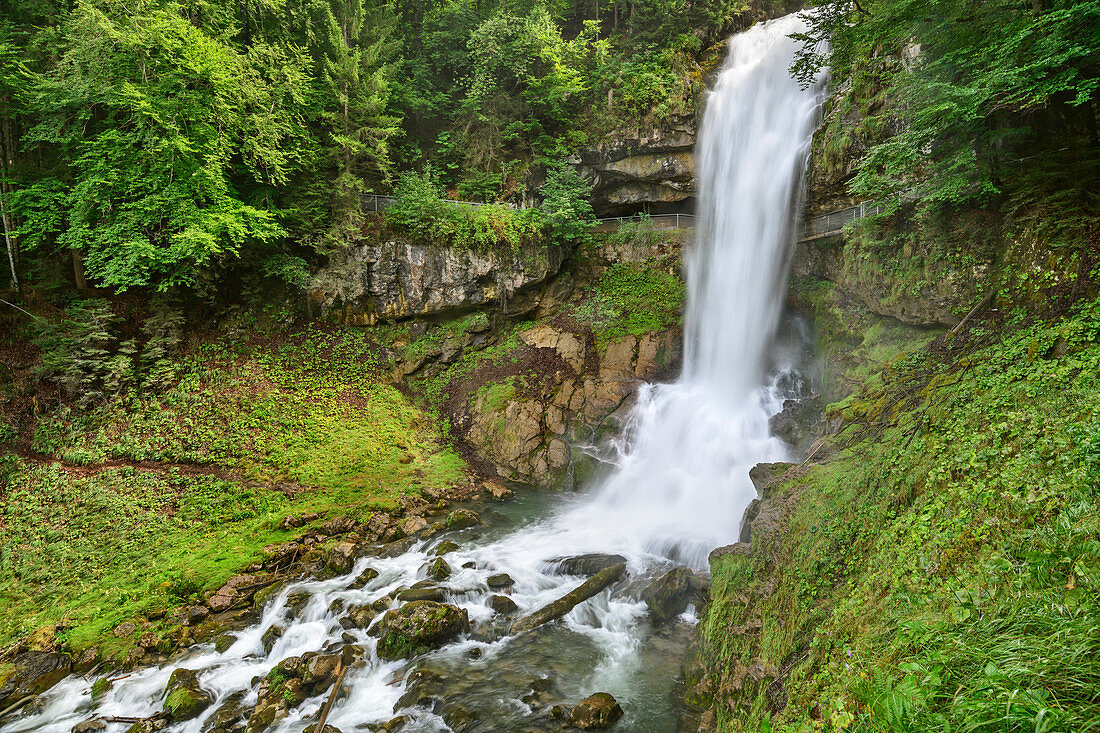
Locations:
(942, 573)
(309, 411)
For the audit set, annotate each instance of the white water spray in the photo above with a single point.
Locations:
(677, 491)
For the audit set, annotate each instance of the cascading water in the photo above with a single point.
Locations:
(678, 488)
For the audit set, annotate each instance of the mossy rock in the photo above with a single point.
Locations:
(439, 570)
(444, 548)
(418, 627)
(462, 518)
(595, 711)
(185, 703)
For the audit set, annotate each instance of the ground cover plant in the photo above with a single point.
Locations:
(140, 502)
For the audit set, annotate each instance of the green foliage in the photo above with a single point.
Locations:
(992, 103)
(566, 204)
(87, 356)
(420, 211)
(631, 299)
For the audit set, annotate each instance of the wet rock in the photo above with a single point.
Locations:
(557, 609)
(595, 711)
(669, 595)
(559, 712)
(185, 700)
(499, 580)
(737, 548)
(498, 491)
(337, 525)
(342, 556)
(796, 423)
(412, 525)
(224, 641)
(423, 688)
(34, 673)
(361, 616)
(384, 527)
(503, 605)
(458, 718)
(86, 660)
(418, 627)
(363, 578)
(422, 594)
(433, 529)
(445, 547)
(229, 713)
(125, 629)
(396, 548)
(195, 615)
(148, 725)
(462, 518)
(327, 729)
(584, 564)
(272, 635)
(90, 726)
(293, 522)
(266, 713)
(283, 554)
(391, 726)
(353, 655)
(320, 672)
(439, 570)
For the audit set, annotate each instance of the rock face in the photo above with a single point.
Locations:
(595, 711)
(528, 436)
(420, 626)
(35, 672)
(636, 167)
(399, 279)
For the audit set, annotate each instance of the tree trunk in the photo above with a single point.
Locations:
(78, 271)
(7, 237)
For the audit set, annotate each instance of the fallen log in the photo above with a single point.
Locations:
(565, 604)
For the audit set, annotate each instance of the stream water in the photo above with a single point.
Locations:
(677, 487)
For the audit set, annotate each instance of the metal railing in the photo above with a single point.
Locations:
(815, 227)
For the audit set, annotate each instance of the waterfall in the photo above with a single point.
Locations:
(679, 487)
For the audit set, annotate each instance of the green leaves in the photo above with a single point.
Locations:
(972, 90)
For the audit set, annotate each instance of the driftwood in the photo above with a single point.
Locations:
(16, 705)
(557, 609)
(341, 670)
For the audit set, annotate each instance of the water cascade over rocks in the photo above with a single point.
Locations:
(678, 489)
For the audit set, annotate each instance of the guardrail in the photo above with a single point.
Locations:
(815, 227)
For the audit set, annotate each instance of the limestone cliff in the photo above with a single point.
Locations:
(398, 279)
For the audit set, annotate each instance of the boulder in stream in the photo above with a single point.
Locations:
(503, 605)
(418, 627)
(595, 711)
(589, 564)
(669, 595)
(557, 609)
(184, 699)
